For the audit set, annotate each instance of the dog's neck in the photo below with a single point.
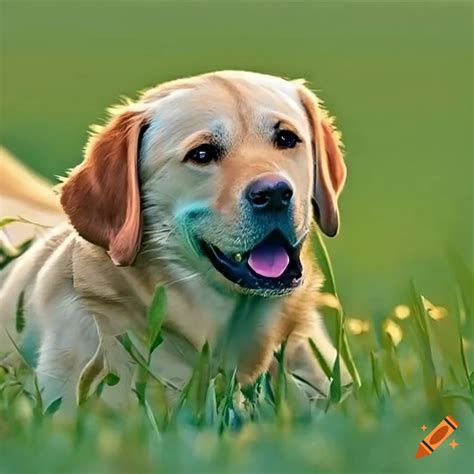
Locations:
(196, 310)
(234, 325)
(245, 329)
(201, 312)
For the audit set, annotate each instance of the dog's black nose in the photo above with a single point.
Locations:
(270, 194)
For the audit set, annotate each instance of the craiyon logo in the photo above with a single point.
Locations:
(437, 437)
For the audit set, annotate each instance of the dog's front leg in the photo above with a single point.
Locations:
(302, 363)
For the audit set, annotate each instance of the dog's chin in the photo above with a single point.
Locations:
(271, 268)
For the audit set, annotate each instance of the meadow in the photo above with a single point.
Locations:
(398, 76)
(410, 369)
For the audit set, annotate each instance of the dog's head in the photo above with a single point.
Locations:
(218, 175)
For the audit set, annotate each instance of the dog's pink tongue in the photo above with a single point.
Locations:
(269, 260)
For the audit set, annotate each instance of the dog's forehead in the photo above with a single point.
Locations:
(259, 81)
(227, 96)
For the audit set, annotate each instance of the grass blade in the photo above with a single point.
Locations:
(20, 314)
(93, 371)
(53, 407)
(152, 420)
(90, 373)
(126, 343)
(329, 286)
(210, 406)
(464, 364)
(335, 389)
(156, 315)
(321, 360)
(199, 384)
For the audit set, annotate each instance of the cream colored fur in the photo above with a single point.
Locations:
(75, 295)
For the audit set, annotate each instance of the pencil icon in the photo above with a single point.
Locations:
(437, 437)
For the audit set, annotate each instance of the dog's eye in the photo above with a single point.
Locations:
(203, 154)
(286, 139)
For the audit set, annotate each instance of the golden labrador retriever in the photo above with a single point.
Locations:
(207, 186)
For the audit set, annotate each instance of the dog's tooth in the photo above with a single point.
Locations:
(237, 257)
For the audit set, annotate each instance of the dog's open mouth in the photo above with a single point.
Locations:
(273, 264)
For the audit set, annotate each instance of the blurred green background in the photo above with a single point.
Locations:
(397, 75)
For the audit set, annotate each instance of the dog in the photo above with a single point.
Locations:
(23, 193)
(208, 186)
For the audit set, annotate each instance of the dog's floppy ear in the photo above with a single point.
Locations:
(102, 195)
(329, 166)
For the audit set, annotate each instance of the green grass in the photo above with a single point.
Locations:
(413, 370)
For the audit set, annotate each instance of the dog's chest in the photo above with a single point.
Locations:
(198, 313)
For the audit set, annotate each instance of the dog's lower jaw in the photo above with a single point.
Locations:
(227, 288)
(265, 293)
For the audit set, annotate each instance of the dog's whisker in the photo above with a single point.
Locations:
(159, 256)
(158, 236)
(166, 259)
(179, 280)
(158, 230)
